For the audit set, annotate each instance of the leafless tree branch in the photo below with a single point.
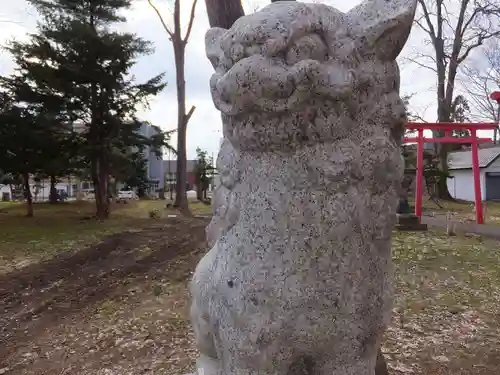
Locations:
(480, 79)
(431, 31)
(10, 21)
(414, 60)
(191, 20)
(189, 114)
(164, 24)
(455, 29)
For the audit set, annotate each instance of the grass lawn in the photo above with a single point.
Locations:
(462, 211)
(66, 227)
(446, 318)
(447, 307)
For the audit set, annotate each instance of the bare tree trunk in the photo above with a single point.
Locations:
(199, 190)
(445, 98)
(100, 179)
(53, 191)
(78, 192)
(223, 13)
(181, 201)
(179, 43)
(95, 182)
(112, 189)
(103, 189)
(27, 194)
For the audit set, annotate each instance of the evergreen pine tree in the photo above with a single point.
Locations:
(20, 133)
(78, 64)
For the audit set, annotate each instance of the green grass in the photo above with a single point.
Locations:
(6, 205)
(67, 227)
(201, 208)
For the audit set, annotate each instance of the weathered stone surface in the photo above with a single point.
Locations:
(298, 278)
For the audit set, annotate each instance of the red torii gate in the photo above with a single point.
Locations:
(448, 128)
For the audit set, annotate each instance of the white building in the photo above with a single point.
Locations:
(461, 182)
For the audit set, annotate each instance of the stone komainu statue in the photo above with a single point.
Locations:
(298, 280)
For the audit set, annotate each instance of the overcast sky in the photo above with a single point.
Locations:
(204, 129)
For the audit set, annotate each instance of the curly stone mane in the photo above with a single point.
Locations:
(278, 87)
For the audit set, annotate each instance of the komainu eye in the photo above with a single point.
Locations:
(309, 47)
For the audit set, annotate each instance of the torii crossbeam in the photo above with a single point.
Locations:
(448, 129)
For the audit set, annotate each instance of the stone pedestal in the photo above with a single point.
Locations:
(299, 278)
(409, 222)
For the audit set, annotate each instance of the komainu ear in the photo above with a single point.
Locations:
(213, 48)
(384, 25)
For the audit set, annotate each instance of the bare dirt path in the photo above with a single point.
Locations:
(79, 313)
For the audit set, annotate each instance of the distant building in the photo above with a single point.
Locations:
(159, 171)
(461, 184)
(170, 168)
(154, 162)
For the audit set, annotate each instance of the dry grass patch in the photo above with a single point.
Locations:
(68, 227)
(462, 211)
(447, 309)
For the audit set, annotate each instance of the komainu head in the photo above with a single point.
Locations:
(298, 73)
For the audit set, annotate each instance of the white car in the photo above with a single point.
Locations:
(191, 194)
(127, 194)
